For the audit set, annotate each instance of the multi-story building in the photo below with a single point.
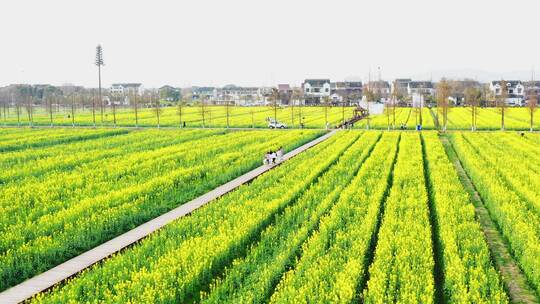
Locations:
(515, 91)
(120, 92)
(315, 90)
(532, 88)
(346, 90)
(238, 95)
(380, 88)
(420, 87)
(170, 93)
(285, 93)
(199, 93)
(401, 85)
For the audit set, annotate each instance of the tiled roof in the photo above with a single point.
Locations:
(421, 84)
(509, 83)
(317, 82)
(127, 85)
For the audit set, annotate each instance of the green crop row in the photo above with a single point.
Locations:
(334, 261)
(518, 223)
(520, 170)
(402, 269)
(174, 264)
(56, 214)
(252, 279)
(18, 139)
(469, 276)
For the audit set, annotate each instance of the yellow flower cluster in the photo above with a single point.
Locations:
(51, 213)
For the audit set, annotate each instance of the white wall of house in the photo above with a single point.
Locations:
(317, 91)
(418, 100)
(517, 91)
(412, 91)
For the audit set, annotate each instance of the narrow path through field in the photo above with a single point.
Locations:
(48, 279)
(514, 280)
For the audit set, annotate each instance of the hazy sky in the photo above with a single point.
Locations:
(251, 42)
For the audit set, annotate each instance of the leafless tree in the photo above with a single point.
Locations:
(532, 102)
(154, 96)
(472, 98)
(49, 99)
(29, 109)
(297, 95)
(227, 109)
(326, 102)
(17, 101)
(501, 101)
(395, 96)
(275, 98)
(202, 103)
(3, 98)
(443, 93)
(99, 62)
(135, 104)
(113, 105)
(344, 101)
(370, 97)
(73, 97)
(252, 118)
(94, 109)
(179, 111)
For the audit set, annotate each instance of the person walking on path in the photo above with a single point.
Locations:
(266, 159)
(280, 154)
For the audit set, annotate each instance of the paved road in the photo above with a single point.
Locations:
(48, 279)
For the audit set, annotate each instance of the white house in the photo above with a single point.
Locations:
(120, 92)
(515, 91)
(315, 90)
(401, 85)
(352, 90)
(200, 93)
(420, 87)
(238, 95)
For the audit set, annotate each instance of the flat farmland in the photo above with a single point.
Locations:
(363, 216)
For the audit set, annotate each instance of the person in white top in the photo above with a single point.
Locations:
(273, 157)
(266, 160)
(280, 154)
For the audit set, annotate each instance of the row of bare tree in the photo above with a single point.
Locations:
(473, 97)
